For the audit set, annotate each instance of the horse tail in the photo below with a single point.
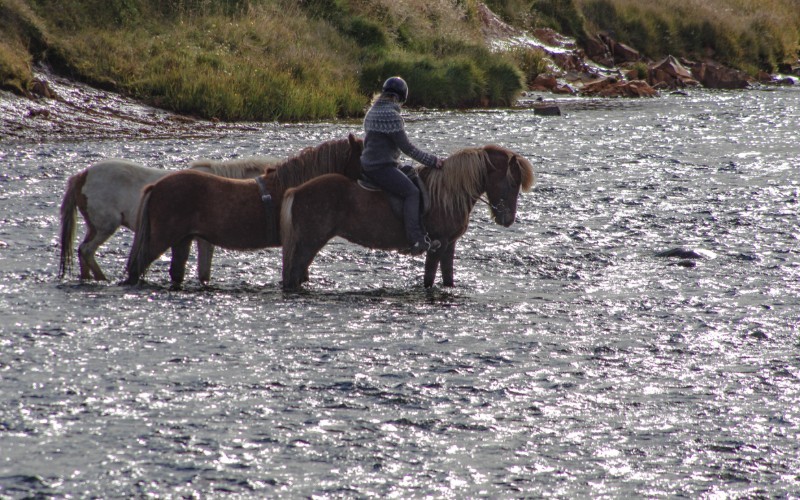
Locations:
(137, 260)
(69, 207)
(288, 234)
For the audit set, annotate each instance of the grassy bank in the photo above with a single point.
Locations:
(259, 59)
(750, 35)
(293, 60)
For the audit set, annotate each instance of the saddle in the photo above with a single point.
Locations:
(396, 202)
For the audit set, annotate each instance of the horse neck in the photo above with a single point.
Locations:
(456, 199)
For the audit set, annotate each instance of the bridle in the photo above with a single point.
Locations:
(500, 209)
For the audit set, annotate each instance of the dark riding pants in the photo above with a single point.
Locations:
(392, 180)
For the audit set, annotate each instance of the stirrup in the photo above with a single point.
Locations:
(424, 245)
(433, 245)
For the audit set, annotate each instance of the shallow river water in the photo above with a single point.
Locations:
(573, 358)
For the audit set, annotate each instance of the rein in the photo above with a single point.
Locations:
(499, 209)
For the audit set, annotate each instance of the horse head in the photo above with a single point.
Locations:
(508, 174)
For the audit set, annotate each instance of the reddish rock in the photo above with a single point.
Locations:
(40, 88)
(623, 53)
(717, 76)
(598, 51)
(611, 87)
(544, 83)
(554, 39)
(669, 73)
(564, 89)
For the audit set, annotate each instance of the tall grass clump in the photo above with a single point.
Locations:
(449, 82)
(532, 61)
(22, 41)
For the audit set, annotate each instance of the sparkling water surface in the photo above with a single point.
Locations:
(635, 333)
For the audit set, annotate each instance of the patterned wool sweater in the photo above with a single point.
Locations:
(386, 137)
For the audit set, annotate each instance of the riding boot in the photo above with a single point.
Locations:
(420, 241)
(391, 179)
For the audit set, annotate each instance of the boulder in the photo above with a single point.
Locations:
(789, 69)
(564, 89)
(717, 76)
(544, 83)
(623, 53)
(612, 87)
(41, 88)
(670, 73)
(597, 50)
(554, 39)
(546, 109)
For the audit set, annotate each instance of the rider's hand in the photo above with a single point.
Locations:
(439, 163)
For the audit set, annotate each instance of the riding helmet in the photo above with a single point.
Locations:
(396, 86)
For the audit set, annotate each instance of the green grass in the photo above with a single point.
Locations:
(286, 60)
(746, 34)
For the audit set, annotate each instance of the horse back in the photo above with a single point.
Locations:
(334, 205)
(225, 212)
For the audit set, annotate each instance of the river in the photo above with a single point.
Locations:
(574, 358)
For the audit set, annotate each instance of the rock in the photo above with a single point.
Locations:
(764, 77)
(546, 109)
(789, 69)
(671, 74)
(717, 76)
(564, 89)
(598, 51)
(623, 53)
(686, 253)
(40, 88)
(612, 87)
(39, 112)
(544, 83)
(554, 39)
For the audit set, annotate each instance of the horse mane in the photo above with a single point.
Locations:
(327, 158)
(240, 168)
(526, 173)
(461, 179)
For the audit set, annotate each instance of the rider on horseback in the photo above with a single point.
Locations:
(385, 138)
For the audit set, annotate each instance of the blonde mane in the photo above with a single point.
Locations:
(455, 187)
(313, 161)
(460, 182)
(241, 168)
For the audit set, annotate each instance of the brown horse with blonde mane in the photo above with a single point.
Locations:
(333, 205)
(233, 214)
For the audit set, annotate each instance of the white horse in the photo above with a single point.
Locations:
(107, 195)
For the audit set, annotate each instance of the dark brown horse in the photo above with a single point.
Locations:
(225, 212)
(333, 205)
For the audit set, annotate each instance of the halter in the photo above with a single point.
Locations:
(500, 209)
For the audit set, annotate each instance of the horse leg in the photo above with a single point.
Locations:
(177, 267)
(86, 250)
(297, 260)
(205, 252)
(431, 265)
(447, 258)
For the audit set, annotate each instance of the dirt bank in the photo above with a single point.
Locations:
(73, 111)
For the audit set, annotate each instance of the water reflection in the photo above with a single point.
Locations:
(575, 356)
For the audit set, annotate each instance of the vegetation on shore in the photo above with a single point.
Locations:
(291, 60)
(750, 35)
